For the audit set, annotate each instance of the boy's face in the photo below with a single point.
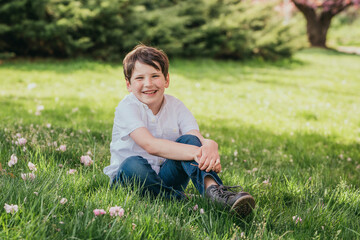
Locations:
(148, 85)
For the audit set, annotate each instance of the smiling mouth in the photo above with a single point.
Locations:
(150, 92)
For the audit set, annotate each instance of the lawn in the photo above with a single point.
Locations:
(289, 133)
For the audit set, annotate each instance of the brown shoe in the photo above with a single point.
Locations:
(240, 202)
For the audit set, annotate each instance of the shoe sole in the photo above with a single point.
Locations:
(244, 205)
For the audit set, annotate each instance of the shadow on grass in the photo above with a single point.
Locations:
(302, 154)
(202, 70)
(68, 66)
(298, 154)
(312, 155)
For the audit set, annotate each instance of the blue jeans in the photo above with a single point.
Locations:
(173, 177)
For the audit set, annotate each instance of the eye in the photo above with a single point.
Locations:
(156, 76)
(139, 78)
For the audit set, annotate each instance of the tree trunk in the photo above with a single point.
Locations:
(318, 21)
(317, 28)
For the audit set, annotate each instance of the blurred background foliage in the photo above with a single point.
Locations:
(345, 29)
(107, 29)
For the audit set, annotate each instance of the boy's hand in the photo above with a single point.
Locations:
(216, 168)
(210, 159)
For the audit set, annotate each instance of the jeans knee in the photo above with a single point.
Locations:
(134, 166)
(189, 139)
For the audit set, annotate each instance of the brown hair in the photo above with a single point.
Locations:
(146, 55)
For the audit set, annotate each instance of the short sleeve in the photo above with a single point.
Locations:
(127, 119)
(186, 120)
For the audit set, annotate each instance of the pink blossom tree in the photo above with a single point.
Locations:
(318, 14)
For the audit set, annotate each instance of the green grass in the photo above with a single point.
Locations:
(294, 122)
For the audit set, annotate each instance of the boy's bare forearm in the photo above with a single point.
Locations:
(173, 150)
(162, 147)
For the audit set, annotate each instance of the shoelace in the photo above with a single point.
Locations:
(226, 191)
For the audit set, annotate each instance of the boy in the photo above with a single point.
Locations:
(156, 139)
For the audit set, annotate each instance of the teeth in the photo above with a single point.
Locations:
(148, 92)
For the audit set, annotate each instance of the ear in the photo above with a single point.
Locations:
(128, 85)
(167, 81)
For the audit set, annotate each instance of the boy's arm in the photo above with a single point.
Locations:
(210, 159)
(164, 148)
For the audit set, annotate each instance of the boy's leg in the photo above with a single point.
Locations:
(178, 173)
(137, 170)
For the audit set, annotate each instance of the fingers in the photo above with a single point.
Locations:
(208, 161)
(217, 168)
(204, 163)
(201, 161)
(212, 166)
(217, 161)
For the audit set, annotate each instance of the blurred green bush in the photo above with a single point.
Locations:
(108, 29)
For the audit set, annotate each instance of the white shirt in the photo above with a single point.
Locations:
(172, 121)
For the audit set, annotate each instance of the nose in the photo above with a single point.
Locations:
(147, 81)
